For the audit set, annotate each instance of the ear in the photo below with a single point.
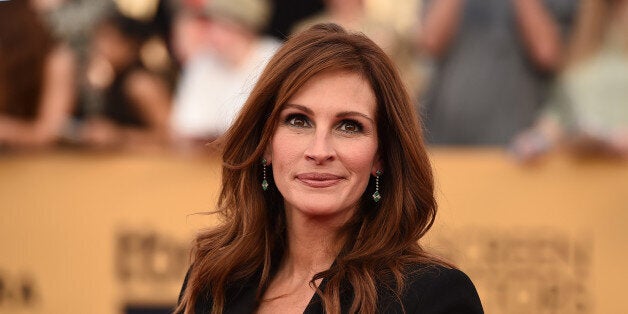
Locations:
(377, 165)
(268, 155)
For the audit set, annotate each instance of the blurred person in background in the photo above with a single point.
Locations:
(36, 78)
(353, 15)
(134, 101)
(348, 13)
(588, 110)
(190, 31)
(493, 60)
(286, 13)
(215, 82)
(73, 22)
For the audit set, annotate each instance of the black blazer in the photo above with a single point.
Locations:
(429, 290)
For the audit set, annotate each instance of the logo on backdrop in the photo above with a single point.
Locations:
(529, 270)
(150, 265)
(17, 291)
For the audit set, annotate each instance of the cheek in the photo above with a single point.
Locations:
(359, 158)
(284, 152)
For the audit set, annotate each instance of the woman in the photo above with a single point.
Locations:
(587, 113)
(326, 189)
(36, 79)
(136, 100)
(491, 63)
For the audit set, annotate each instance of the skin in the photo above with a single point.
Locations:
(232, 42)
(56, 103)
(112, 52)
(190, 36)
(323, 153)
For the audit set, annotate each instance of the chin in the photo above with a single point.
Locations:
(317, 208)
(321, 211)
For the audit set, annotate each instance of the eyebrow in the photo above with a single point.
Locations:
(342, 114)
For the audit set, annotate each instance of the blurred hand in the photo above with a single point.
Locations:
(4, 129)
(100, 133)
(619, 142)
(46, 5)
(529, 146)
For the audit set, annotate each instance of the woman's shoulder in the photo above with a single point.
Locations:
(429, 274)
(434, 288)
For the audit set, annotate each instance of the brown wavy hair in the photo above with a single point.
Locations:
(382, 238)
(24, 46)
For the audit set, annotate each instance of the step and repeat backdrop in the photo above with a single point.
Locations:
(111, 233)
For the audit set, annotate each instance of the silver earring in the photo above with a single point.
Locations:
(376, 195)
(264, 182)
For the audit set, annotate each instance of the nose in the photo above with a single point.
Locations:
(320, 149)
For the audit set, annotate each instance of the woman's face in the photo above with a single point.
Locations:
(110, 43)
(325, 146)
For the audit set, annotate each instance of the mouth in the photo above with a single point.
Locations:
(319, 180)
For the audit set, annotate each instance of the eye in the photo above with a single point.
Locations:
(350, 126)
(298, 120)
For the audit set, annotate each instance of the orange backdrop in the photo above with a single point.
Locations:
(95, 233)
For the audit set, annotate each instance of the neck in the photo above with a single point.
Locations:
(313, 245)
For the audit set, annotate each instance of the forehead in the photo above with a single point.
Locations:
(338, 90)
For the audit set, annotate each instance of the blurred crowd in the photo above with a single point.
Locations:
(526, 75)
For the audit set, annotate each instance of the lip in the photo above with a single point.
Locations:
(318, 179)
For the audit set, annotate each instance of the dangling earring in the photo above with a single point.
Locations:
(264, 182)
(376, 196)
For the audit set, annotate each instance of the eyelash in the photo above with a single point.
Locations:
(289, 120)
(291, 117)
(359, 127)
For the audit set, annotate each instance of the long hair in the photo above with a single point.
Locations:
(24, 46)
(382, 238)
